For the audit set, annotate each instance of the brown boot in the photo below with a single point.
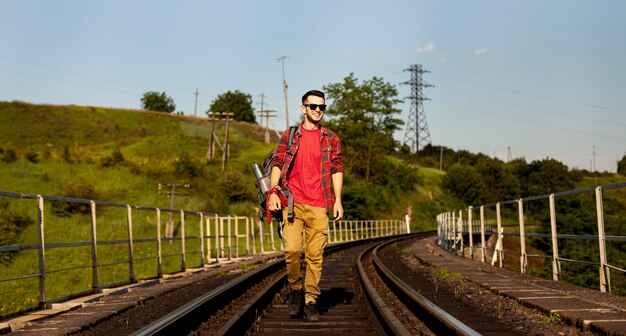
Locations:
(310, 312)
(295, 302)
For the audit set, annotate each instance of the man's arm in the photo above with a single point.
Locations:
(273, 203)
(337, 189)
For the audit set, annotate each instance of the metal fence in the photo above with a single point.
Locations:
(137, 247)
(458, 229)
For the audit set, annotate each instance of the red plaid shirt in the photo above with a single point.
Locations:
(332, 160)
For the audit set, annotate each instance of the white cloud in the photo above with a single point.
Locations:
(481, 51)
(428, 48)
(443, 59)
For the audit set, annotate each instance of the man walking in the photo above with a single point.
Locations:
(312, 166)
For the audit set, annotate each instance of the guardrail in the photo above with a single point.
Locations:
(458, 228)
(134, 247)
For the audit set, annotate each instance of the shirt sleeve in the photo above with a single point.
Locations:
(336, 156)
(281, 151)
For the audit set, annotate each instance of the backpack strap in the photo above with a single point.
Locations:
(291, 142)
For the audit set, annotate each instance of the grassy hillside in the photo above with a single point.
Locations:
(121, 156)
(72, 144)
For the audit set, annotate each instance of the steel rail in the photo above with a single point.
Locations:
(187, 316)
(437, 318)
(386, 317)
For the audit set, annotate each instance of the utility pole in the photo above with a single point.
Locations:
(595, 174)
(266, 113)
(169, 228)
(416, 131)
(440, 157)
(214, 117)
(195, 108)
(281, 59)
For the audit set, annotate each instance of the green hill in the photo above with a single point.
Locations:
(58, 147)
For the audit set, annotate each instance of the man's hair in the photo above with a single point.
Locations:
(316, 93)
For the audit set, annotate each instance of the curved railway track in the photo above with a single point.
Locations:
(351, 301)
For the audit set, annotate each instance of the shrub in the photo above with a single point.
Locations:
(186, 167)
(112, 160)
(32, 156)
(11, 224)
(9, 156)
(235, 186)
(79, 188)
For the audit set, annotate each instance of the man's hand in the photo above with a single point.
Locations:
(338, 210)
(273, 203)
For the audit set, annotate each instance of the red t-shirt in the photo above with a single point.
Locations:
(305, 175)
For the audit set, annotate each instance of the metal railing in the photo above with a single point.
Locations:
(457, 226)
(139, 249)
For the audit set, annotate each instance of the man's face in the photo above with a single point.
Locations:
(313, 115)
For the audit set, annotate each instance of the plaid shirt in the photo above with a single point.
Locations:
(332, 160)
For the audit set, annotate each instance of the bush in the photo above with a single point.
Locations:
(235, 187)
(67, 156)
(79, 188)
(186, 167)
(11, 224)
(32, 156)
(9, 156)
(112, 160)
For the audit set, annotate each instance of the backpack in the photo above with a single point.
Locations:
(262, 174)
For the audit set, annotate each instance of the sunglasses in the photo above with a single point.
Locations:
(314, 107)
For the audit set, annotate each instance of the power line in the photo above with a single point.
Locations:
(538, 95)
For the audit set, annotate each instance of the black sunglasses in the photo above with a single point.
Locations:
(314, 107)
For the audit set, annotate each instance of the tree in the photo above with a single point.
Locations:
(621, 165)
(363, 115)
(240, 104)
(464, 182)
(155, 101)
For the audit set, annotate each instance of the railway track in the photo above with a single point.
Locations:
(350, 301)
(368, 287)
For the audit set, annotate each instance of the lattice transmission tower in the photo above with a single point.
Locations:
(416, 132)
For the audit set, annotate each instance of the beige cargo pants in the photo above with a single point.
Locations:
(310, 226)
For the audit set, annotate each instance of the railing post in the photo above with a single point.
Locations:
(262, 236)
(230, 242)
(407, 219)
(454, 232)
(605, 276)
(207, 224)
(131, 256)
(94, 247)
(556, 264)
(470, 232)
(498, 253)
(183, 262)
(237, 237)
(461, 240)
(221, 231)
(41, 252)
(201, 229)
(218, 246)
(523, 259)
(351, 230)
(158, 234)
(248, 222)
(272, 236)
(252, 234)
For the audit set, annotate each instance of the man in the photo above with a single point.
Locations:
(313, 164)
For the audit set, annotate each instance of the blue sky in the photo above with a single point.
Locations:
(541, 78)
